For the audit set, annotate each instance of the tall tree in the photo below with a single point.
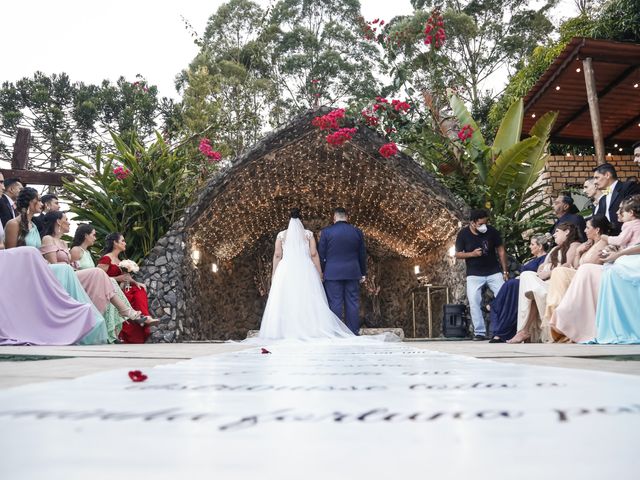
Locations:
(318, 54)
(228, 89)
(68, 117)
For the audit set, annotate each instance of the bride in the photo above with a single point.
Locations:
(297, 307)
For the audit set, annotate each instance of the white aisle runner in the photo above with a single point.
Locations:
(326, 412)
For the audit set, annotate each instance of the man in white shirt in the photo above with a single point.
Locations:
(592, 193)
(8, 200)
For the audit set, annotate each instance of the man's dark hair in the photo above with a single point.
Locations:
(340, 211)
(477, 214)
(567, 199)
(635, 145)
(10, 181)
(604, 168)
(48, 197)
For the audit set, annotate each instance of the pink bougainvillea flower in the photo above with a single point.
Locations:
(121, 172)
(341, 136)
(329, 121)
(206, 149)
(137, 376)
(465, 133)
(264, 351)
(388, 150)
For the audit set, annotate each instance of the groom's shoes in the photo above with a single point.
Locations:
(479, 338)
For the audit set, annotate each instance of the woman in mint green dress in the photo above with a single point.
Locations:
(84, 239)
(21, 232)
(617, 318)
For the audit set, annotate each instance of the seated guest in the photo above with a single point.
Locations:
(566, 212)
(36, 309)
(115, 245)
(532, 295)
(561, 277)
(614, 193)
(504, 308)
(94, 281)
(629, 215)
(20, 231)
(83, 240)
(1, 226)
(593, 194)
(8, 211)
(49, 204)
(617, 318)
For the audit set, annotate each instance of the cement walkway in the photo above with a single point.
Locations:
(76, 361)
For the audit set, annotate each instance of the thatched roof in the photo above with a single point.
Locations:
(394, 201)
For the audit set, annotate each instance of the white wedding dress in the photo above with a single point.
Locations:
(297, 307)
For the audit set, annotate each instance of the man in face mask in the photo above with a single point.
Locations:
(480, 245)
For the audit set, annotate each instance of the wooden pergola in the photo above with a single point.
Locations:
(595, 86)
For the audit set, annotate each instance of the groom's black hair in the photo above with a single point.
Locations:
(295, 213)
(340, 211)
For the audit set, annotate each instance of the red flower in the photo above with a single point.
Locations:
(329, 121)
(341, 136)
(206, 149)
(388, 150)
(399, 105)
(370, 119)
(465, 133)
(121, 172)
(264, 351)
(137, 376)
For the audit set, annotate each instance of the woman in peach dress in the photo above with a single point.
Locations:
(561, 277)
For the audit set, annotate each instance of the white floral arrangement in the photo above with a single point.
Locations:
(129, 266)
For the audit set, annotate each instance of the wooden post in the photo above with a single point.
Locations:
(594, 109)
(20, 160)
(20, 156)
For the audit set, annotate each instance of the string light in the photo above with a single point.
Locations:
(399, 212)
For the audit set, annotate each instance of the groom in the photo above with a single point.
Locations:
(344, 264)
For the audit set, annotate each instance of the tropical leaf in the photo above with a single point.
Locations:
(510, 128)
(507, 166)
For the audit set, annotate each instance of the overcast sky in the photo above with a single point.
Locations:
(91, 40)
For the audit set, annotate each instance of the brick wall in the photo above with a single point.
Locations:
(569, 171)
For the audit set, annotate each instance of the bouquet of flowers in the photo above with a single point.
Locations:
(128, 266)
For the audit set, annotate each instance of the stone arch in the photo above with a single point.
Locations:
(408, 219)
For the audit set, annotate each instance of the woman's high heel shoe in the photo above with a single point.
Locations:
(521, 337)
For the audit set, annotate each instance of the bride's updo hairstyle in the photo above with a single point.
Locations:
(295, 213)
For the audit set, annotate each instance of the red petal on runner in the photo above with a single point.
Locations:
(264, 350)
(137, 376)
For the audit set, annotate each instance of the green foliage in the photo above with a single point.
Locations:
(508, 173)
(228, 92)
(143, 205)
(483, 38)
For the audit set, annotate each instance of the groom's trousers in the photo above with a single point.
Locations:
(344, 296)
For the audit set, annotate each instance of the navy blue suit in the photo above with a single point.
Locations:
(343, 257)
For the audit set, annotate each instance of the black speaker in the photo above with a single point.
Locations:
(454, 321)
